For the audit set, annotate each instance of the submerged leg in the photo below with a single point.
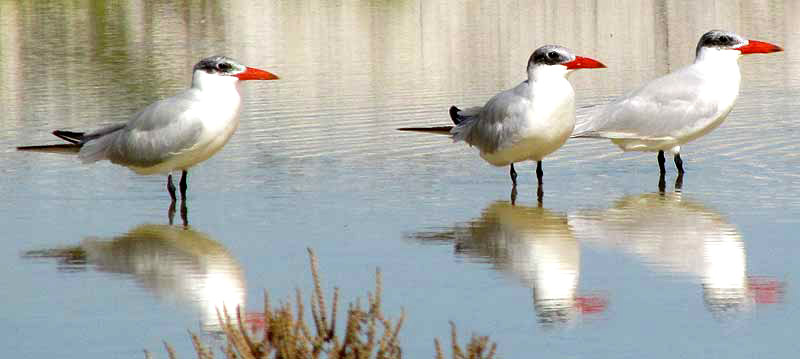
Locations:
(183, 184)
(171, 187)
(661, 161)
(539, 190)
(513, 195)
(184, 214)
(539, 172)
(679, 163)
(513, 174)
(540, 195)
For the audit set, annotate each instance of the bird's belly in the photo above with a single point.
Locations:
(644, 145)
(517, 152)
(704, 128)
(682, 137)
(534, 146)
(209, 143)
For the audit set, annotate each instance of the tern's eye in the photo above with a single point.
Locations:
(724, 39)
(224, 66)
(552, 55)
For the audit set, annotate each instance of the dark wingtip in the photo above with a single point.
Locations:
(69, 136)
(454, 115)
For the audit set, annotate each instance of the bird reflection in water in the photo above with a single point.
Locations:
(677, 236)
(171, 262)
(537, 246)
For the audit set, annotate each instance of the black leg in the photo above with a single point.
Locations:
(679, 182)
(171, 187)
(183, 184)
(513, 175)
(513, 195)
(679, 163)
(540, 195)
(184, 214)
(539, 172)
(171, 212)
(662, 183)
(661, 161)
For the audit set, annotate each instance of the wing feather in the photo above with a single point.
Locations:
(161, 130)
(492, 126)
(664, 108)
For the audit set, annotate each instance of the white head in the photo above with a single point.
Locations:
(554, 60)
(719, 43)
(218, 70)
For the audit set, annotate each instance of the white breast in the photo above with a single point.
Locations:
(542, 123)
(220, 118)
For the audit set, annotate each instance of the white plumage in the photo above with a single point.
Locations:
(172, 134)
(679, 107)
(527, 122)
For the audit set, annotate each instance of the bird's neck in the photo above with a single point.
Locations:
(220, 95)
(718, 57)
(544, 73)
(210, 83)
(721, 66)
(548, 78)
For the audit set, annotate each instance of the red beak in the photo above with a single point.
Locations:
(758, 47)
(256, 74)
(584, 63)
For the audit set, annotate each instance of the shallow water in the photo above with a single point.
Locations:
(608, 267)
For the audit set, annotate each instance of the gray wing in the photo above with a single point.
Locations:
(492, 126)
(158, 132)
(660, 109)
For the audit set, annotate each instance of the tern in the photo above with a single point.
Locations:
(172, 134)
(679, 107)
(526, 122)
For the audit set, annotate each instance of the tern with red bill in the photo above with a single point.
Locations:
(527, 122)
(675, 109)
(172, 134)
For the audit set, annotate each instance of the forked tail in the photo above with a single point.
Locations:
(457, 119)
(442, 130)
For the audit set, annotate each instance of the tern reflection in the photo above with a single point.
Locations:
(536, 245)
(675, 235)
(174, 263)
